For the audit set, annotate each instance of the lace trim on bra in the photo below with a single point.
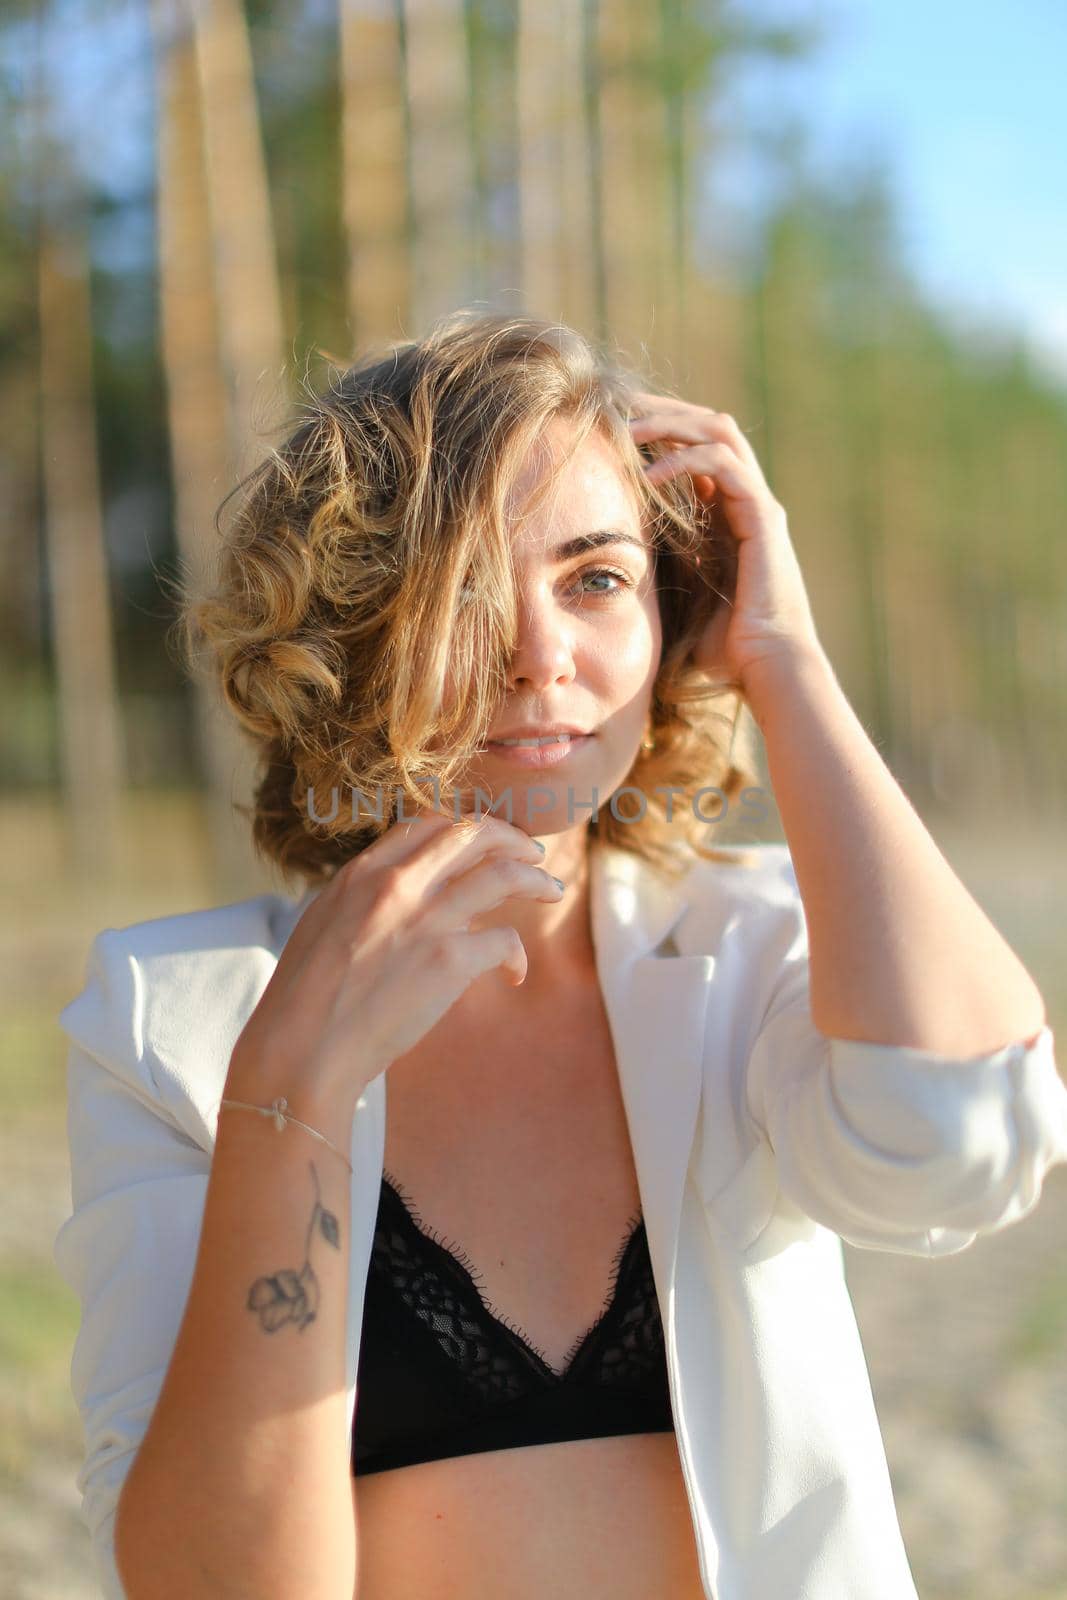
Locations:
(461, 1259)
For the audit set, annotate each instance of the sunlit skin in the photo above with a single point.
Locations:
(587, 652)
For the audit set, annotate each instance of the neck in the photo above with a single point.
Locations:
(557, 936)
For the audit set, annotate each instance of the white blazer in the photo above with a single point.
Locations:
(759, 1144)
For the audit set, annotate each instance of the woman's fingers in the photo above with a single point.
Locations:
(718, 460)
(487, 885)
(662, 417)
(382, 954)
(430, 848)
(444, 849)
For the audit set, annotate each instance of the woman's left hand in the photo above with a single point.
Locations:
(771, 615)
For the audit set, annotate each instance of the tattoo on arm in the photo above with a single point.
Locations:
(288, 1296)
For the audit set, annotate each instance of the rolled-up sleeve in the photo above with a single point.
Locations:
(128, 1249)
(897, 1148)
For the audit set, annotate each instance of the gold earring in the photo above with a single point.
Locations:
(648, 743)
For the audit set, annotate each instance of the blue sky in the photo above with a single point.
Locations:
(967, 103)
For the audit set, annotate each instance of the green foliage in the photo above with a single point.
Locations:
(300, 112)
(38, 1318)
(33, 1074)
(1041, 1330)
(901, 442)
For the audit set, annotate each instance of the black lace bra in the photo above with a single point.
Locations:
(440, 1374)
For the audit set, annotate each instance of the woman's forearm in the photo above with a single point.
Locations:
(900, 952)
(242, 1483)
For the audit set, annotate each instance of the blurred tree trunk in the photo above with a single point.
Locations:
(442, 179)
(702, 338)
(643, 248)
(374, 180)
(687, 309)
(92, 756)
(540, 85)
(199, 417)
(556, 201)
(492, 126)
(577, 194)
(251, 332)
(21, 602)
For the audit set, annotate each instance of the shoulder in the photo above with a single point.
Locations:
(165, 999)
(756, 874)
(751, 901)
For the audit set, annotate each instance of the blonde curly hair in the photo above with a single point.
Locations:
(371, 550)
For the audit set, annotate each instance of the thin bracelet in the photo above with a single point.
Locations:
(278, 1109)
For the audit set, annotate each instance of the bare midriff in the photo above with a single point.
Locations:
(512, 1140)
(587, 1519)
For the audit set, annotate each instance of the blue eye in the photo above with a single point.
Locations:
(608, 572)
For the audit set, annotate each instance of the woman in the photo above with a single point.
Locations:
(574, 1322)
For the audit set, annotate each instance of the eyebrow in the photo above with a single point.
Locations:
(594, 541)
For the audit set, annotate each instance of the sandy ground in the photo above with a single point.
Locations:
(968, 1364)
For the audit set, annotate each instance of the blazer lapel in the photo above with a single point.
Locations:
(656, 999)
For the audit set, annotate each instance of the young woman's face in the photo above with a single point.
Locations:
(588, 646)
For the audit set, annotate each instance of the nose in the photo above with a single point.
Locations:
(544, 649)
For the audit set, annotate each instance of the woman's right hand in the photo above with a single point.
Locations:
(383, 951)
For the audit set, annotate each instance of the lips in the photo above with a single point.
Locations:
(553, 750)
(528, 732)
(532, 739)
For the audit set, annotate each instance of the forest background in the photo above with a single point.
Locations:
(205, 204)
